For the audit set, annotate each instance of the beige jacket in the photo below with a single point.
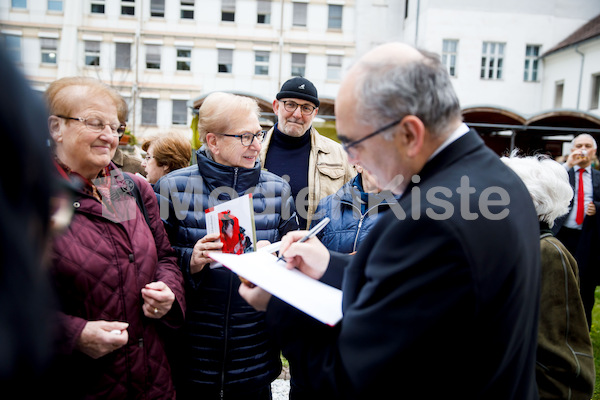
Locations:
(328, 169)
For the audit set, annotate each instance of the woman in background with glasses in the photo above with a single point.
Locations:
(114, 271)
(165, 153)
(224, 351)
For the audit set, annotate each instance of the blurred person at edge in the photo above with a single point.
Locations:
(115, 274)
(27, 187)
(565, 359)
(353, 211)
(579, 229)
(224, 350)
(438, 284)
(165, 153)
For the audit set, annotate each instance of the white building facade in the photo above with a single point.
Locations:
(493, 48)
(162, 54)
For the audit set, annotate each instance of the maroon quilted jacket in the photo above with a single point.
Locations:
(99, 268)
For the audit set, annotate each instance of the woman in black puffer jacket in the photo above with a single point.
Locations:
(223, 350)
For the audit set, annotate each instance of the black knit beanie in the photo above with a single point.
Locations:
(299, 88)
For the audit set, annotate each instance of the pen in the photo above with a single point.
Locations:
(313, 232)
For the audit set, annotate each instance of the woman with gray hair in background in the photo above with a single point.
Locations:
(564, 362)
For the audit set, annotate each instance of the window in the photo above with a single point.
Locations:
(179, 112)
(559, 88)
(298, 64)
(149, 111)
(334, 67)
(18, 3)
(449, 53)
(92, 53)
(225, 60)
(48, 47)
(13, 47)
(184, 59)
(530, 73)
(55, 5)
(127, 7)
(187, 9)
(261, 62)
(123, 56)
(492, 57)
(595, 92)
(263, 11)
(153, 56)
(97, 6)
(157, 8)
(227, 10)
(299, 12)
(334, 21)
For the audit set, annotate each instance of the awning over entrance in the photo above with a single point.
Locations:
(504, 130)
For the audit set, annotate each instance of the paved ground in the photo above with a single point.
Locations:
(280, 389)
(281, 386)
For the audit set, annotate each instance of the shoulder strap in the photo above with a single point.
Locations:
(135, 192)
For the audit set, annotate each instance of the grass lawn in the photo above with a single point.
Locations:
(595, 333)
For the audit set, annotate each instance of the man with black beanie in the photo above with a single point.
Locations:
(315, 165)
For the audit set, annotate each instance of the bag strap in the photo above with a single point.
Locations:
(135, 192)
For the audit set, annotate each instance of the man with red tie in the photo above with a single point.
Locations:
(579, 230)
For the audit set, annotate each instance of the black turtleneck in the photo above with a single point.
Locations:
(288, 155)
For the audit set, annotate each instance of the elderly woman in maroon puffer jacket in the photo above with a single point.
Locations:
(114, 270)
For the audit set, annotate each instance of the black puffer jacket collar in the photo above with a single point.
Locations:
(216, 175)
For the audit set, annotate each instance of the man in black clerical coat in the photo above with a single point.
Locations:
(441, 298)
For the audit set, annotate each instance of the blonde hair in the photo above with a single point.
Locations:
(62, 103)
(171, 149)
(220, 109)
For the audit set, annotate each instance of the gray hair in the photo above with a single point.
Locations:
(547, 182)
(387, 91)
(585, 135)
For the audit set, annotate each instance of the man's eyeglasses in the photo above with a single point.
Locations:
(306, 109)
(94, 124)
(247, 138)
(349, 145)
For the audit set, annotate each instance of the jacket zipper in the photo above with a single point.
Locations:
(235, 178)
(226, 336)
(360, 222)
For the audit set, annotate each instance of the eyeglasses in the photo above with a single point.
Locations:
(247, 138)
(306, 109)
(94, 124)
(349, 145)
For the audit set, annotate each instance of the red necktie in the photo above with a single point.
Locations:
(580, 200)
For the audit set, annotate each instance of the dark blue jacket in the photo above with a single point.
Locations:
(224, 345)
(353, 213)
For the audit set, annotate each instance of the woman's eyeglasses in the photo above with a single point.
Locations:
(94, 124)
(247, 138)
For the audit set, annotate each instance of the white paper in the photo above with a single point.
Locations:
(315, 298)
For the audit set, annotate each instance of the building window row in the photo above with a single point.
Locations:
(228, 10)
(52, 5)
(179, 112)
(492, 60)
(92, 57)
